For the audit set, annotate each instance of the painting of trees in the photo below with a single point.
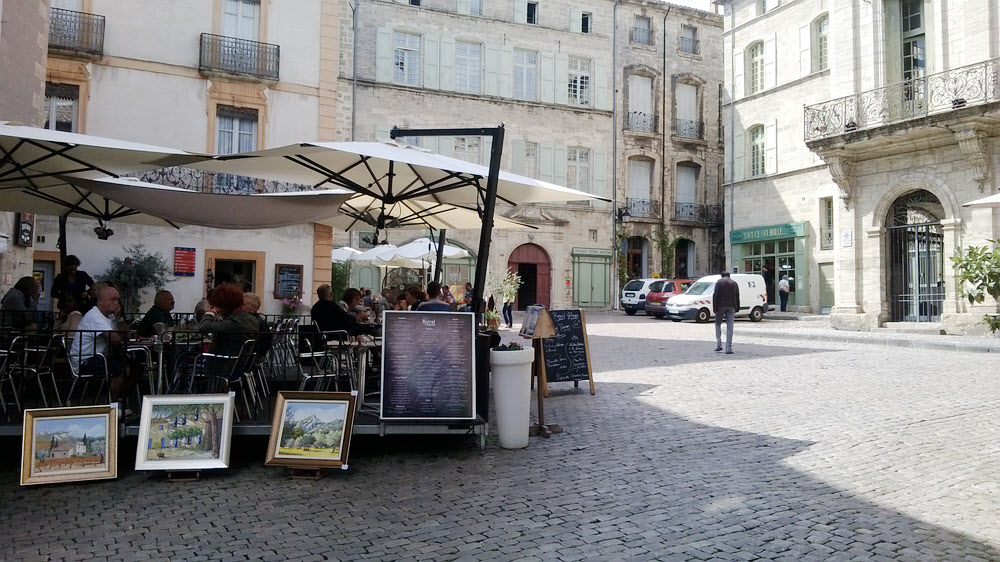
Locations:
(200, 419)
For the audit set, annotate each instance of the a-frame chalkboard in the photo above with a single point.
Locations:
(566, 355)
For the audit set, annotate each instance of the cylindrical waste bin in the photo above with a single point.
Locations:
(512, 395)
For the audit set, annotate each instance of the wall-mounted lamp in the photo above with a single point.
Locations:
(623, 214)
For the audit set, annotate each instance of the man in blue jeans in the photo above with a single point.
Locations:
(725, 302)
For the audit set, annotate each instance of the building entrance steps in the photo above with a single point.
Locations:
(914, 328)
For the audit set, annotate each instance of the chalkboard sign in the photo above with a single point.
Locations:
(428, 371)
(566, 356)
(287, 280)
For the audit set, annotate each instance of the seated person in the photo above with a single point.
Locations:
(414, 296)
(69, 316)
(97, 332)
(159, 313)
(329, 316)
(200, 309)
(355, 305)
(467, 298)
(231, 324)
(434, 303)
(367, 299)
(402, 303)
(17, 309)
(446, 295)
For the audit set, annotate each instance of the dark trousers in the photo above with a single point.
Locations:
(784, 299)
(508, 313)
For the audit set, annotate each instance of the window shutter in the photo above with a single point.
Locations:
(431, 57)
(491, 86)
(599, 173)
(382, 132)
(383, 54)
(561, 73)
(465, 6)
(521, 11)
(559, 165)
(487, 146)
(546, 85)
(770, 56)
(517, 156)
(575, 20)
(447, 64)
(771, 147)
(739, 80)
(545, 162)
(600, 82)
(446, 146)
(507, 71)
(805, 49)
(738, 155)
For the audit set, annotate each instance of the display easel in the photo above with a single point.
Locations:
(536, 327)
(183, 476)
(307, 472)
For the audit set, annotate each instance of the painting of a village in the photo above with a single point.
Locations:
(185, 432)
(67, 445)
(312, 429)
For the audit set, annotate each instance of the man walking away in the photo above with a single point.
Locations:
(725, 302)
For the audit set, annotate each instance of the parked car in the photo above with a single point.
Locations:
(696, 302)
(661, 291)
(634, 295)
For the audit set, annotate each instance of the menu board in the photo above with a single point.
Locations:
(565, 355)
(428, 371)
(287, 280)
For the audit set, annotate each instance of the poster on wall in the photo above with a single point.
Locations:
(25, 229)
(287, 280)
(184, 262)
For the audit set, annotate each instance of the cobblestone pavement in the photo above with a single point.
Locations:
(788, 449)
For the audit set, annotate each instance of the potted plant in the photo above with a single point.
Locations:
(289, 304)
(511, 368)
(492, 320)
(137, 271)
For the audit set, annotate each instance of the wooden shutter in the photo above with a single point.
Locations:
(805, 49)
(738, 155)
(447, 64)
(383, 54)
(545, 162)
(464, 6)
(559, 165)
(561, 73)
(575, 20)
(599, 173)
(771, 147)
(507, 71)
(770, 59)
(446, 146)
(517, 156)
(600, 85)
(546, 77)
(521, 11)
(739, 80)
(491, 86)
(431, 58)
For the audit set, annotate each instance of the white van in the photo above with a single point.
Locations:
(696, 302)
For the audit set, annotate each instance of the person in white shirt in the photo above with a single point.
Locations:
(784, 287)
(90, 351)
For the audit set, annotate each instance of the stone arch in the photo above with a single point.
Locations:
(912, 182)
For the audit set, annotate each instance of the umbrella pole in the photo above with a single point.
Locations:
(440, 256)
(62, 239)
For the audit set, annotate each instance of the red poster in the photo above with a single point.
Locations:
(184, 262)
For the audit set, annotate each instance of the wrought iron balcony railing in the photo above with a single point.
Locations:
(641, 208)
(953, 89)
(243, 57)
(76, 32)
(693, 212)
(689, 45)
(689, 129)
(642, 35)
(639, 121)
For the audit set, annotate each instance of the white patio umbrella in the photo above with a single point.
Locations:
(362, 212)
(342, 254)
(426, 249)
(991, 201)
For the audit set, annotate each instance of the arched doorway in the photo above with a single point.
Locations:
(636, 257)
(684, 258)
(531, 262)
(915, 256)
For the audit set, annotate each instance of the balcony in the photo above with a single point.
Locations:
(641, 122)
(76, 33)
(951, 90)
(641, 208)
(693, 212)
(689, 129)
(642, 36)
(689, 45)
(238, 57)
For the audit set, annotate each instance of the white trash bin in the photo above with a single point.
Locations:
(512, 395)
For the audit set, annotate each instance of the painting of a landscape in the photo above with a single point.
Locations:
(313, 429)
(185, 432)
(70, 445)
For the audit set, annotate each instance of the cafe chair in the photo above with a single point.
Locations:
(44, 368)
(9, 363)
(103, 378)
(238, 375)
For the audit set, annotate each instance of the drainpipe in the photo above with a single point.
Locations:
(614, 156)
(732, 128)
(663, 143)
(354, 71)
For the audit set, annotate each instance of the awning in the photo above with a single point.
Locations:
(342, 254)
(991, 201)
(362, 212)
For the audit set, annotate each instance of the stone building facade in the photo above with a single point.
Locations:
(857, 139)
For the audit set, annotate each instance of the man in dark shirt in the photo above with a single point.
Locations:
(159, 313)
(328, 315)
(725, 302)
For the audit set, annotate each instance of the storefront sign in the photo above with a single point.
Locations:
(774, 232)
(184, 262)
(596, 252)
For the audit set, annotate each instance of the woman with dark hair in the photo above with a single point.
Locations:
(69, 315)
(231, 324)
(415, 296)
(18, 306)
(71, 281)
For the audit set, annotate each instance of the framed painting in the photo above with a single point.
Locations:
(69, 444)
(185, 432)
(312, 429)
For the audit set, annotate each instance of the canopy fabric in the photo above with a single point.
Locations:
(991, 201)
(388, 172)
(342, 254)
(133, 201)
(426, 249)
(362, 212)
(383, 255)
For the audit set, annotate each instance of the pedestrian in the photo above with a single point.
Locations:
(725, 302)
(784, 287)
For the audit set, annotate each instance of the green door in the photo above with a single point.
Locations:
(366, 276)
(591, 279)
(825, 288)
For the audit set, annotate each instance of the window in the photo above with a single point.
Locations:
(533, 13)
(579, 81)
(61, 107)
(468, 67)
(414, 2)
(687, 184)
(761, 7)
(755, 56)
(578, 169)
(640, 178)
(821, 31)
(826, 223)
(531, 159)
(525, 75)
(757, 151)
(642, 31)
(476, 7)
(914, 51)
(406, 59)
(593, 235)
(366, 239)
(688, 40)
(240, 19)
(236, 131)
(240, 272)
(687, 123)
(585, 21)
(468, 149)
(640, 104)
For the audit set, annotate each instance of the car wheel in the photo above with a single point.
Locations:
(703, 316)
(630, 311)
(659, 315)
(757, 314)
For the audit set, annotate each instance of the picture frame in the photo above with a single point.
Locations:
(303, 420)
(69, 444)
(287, 280)
(185, 432)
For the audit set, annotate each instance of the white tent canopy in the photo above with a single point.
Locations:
(991, 201)
(342, 254)
(362, 212)
(384, 255)
(426, 249)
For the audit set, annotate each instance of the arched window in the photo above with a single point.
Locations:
(757, 148)
(755, 62)
(821, 43)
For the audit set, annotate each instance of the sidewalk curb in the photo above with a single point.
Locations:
(858, 337)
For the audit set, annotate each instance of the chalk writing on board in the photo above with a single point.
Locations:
(287, 280)
(565, 353)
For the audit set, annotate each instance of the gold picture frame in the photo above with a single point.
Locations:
(69, 444)
(303, 420)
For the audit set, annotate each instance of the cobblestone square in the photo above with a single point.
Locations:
(790, 449)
